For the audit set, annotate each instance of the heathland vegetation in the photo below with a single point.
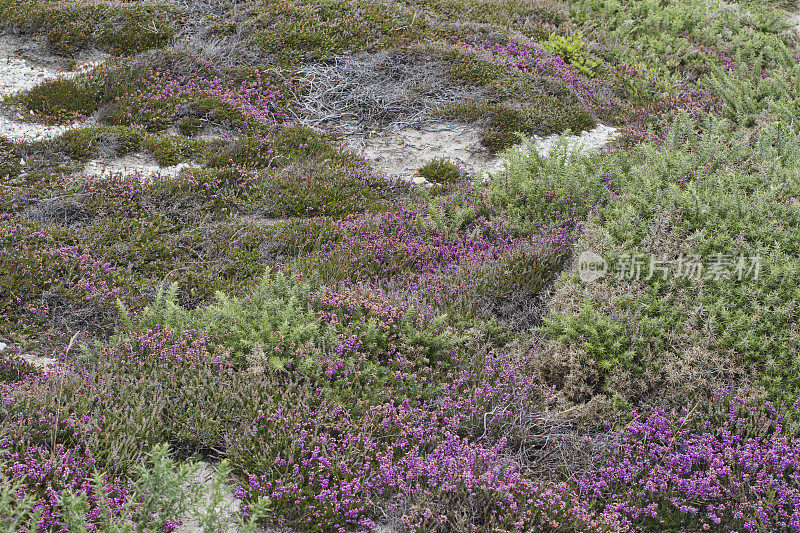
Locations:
(354, 352)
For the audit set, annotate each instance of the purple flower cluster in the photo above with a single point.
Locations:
(161, 96)
(48, 471)
(737, 471)
(51, 266)
(325, 468)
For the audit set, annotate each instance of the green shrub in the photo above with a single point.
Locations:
(10, 159)
(62, 99)
(161, 495)
(573, 51)
(278, 327)
(442, 171)
(547, 189)
(127, 28)
(19, 514)
(170, 150)
(605, 342)
(293, 237)
(328, 191)
(313, 30)
(540, 114)
(190, 126)
(82, 144)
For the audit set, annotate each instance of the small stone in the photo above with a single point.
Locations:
(3, 347)
(419, 180)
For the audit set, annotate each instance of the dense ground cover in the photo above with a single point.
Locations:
(354, 352)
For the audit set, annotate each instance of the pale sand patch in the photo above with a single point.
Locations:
(401, 152)
(18, 75)
(143, 165)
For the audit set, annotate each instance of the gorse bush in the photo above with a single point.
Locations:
(19, 513)
(276, 318)
(288, 325)
(572, 50)
(545, 190)
(605, 342)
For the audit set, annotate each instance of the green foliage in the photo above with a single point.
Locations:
(328, 190)
(62, 99)
(546, 189)
(170, 150)
(667, 39)
(19, 514)
(293, 237)
(10, 158)
(161, 495)
(316, 29)
(190, 126)
(442, 171)
(297, 144)
(278, 326)
(127, 28)
(572, 50)
(541, 114)
(82, 144)
(605, 341)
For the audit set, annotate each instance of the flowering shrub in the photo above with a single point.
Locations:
(326, 469)
(157, 100)
(403, 360)
(43, 273)
(735, 472)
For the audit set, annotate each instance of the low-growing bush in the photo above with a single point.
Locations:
(681, 471)
(62, 99)
(541, 115)
(572, 49)
(442, 172)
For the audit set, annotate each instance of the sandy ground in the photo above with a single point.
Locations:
(142, 164)
(22, 69)
(401, 152)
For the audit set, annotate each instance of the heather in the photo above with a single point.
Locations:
(674, 464)
(349, 348)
